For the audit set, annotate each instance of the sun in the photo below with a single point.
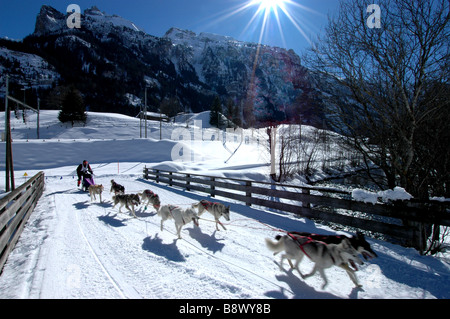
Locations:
(267, 16)
(269, 5)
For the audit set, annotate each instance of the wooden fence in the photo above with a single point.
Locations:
(403, 222)
(15, 209)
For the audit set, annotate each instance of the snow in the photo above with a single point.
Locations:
(362, 195)
(103, 19)
(74, 248)
(398, 193)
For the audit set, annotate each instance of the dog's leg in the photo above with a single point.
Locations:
(162, 221)
(322, 273)
(311, 273)
(222, 226)
(217, 225)
(283, 257)
(290, 263)
(132, 210)
(179, 230)
(351, 274)
(297, 264)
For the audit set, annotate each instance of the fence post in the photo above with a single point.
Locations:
(305, 204)
(170, 178)
(188, 182)
(248, 192)
(157, 176)
(213, 186)
(145, 172)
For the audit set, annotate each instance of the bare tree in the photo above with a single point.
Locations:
(397, 73)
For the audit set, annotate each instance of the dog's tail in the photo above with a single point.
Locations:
(276, 247)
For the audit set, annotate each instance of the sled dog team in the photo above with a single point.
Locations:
(324, 251)
(180, 216)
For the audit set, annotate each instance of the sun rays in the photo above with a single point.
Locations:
(265, 20)
(274, 14)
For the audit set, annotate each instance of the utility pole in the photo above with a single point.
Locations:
(160, 125)
(38, 110)
(9, 182)
(145, 112)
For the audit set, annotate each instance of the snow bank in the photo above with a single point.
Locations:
(366, 196)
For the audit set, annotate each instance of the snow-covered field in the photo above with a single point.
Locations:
(74, 248)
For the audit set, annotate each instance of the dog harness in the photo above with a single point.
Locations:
(206, 204)
(308, 241)
(296, 239)
(171, 209)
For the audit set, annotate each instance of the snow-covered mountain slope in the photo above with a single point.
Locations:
(29, 69)
(110, 59)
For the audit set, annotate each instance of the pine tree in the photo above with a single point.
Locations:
(72, 108)
(216, 112)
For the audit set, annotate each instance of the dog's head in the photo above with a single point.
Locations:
(135, 199)
(156, 202)
(360, 243)
(226, 213)
(349, 254)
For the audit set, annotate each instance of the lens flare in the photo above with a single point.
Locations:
(270, 5)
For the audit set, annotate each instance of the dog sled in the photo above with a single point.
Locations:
(87, 181)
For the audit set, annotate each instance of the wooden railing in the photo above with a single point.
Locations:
(15, 209)
(403, 222)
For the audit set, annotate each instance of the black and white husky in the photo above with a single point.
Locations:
(216, 209)
(179, 215)
(126, 200)
(358, 242)
(323, 255)
(116, 188)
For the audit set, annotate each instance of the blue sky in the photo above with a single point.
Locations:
(225, 17)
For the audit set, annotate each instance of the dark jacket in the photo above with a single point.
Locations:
(84, 170)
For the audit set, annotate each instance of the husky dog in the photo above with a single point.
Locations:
(216, 209)
(96, 190)
(150, 197)
(127, 200)
(323, 255)
(358, 242)
(117, 188)
(180, 216)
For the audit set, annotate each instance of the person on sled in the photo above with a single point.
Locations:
(84, 170)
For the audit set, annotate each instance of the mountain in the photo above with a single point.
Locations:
(112, 61)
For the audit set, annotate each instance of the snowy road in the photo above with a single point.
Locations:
(75, 248)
